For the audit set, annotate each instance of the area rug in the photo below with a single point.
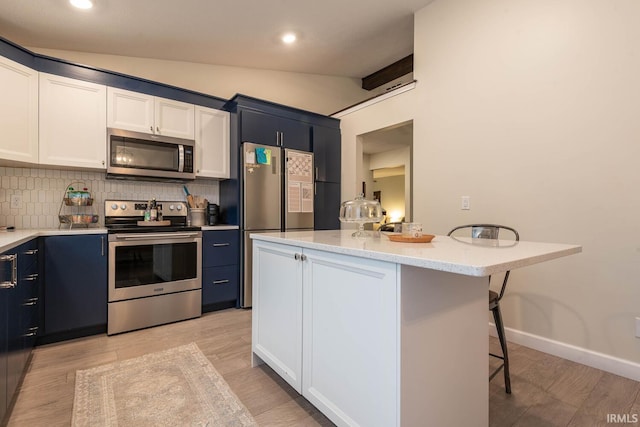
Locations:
(176, 387)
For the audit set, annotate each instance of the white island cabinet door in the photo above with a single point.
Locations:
(351, 339)
(212, 143)
(18, 112)
(277, 309)
(73, 120)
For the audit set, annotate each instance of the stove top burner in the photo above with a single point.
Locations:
(122, 216)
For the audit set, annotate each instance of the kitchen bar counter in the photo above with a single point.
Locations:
(379, 333)
(471, 257)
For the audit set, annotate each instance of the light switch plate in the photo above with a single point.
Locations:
(465, 203)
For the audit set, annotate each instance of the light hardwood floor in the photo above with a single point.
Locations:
(547, 391)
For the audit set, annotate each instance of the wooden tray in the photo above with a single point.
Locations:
(154, 223)
(425, 238)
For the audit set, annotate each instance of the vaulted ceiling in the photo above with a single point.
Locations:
(351, 38)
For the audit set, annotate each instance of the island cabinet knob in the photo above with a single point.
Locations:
(296, 256)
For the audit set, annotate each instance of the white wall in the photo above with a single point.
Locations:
(317, 93)
(531, 108)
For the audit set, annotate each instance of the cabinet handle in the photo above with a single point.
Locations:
(296, 256)
(30, 301)
(281, 139)
(303, 257)
(101, 245)
(14, 271)
(30, 252)
(316, 173)
(32, 277)
(315, 189)
(32, 332)
(151, 129)
(158, 129)
(217, 245)
(220, 282)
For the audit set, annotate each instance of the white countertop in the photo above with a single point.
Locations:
(470, 257)
(11, 239)
(219, 227)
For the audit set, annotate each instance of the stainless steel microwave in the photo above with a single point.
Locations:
(141, 155)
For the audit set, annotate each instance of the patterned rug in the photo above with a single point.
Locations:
(176, 387)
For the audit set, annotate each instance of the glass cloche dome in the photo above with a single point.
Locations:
(360, 211)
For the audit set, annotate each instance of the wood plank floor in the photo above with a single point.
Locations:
(547, 391)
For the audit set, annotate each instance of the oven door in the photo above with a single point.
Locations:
(147, 264)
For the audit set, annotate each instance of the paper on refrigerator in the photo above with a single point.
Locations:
(299, 182)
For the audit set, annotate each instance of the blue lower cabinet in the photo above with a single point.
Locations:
(220, 285)
(19, 317)
(220, 271)
(75, 295)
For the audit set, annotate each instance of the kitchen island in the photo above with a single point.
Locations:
(379, 333)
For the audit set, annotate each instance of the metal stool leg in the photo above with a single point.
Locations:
(497, 316)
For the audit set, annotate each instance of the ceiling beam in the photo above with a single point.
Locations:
(388, 73)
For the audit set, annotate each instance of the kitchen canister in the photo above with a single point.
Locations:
(197, 216)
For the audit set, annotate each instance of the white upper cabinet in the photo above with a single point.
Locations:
(73, 129)
(149, 114)
(18, 112)
(212, 143)
(130, 110)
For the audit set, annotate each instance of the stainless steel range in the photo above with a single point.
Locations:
(154, 267)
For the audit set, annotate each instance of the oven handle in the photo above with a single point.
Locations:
(149, 236)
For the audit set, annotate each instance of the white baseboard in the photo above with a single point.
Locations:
(604, 362)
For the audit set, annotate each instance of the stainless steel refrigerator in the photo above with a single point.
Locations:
(277, 195)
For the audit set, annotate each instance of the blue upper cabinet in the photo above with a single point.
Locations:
(267, 129)
(327, 153)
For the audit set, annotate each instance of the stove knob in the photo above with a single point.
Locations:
(179, 207)
(171, 207)
(114, 207)
(123, 206)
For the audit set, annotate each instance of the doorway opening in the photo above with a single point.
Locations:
(387, 169)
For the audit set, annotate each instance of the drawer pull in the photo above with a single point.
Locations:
(32, 277)
(30, 301)
(220, 282)
(7, 285)
(32, 332)
(217, 245)
(31, 252)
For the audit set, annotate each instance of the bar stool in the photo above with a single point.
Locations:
(491, 231)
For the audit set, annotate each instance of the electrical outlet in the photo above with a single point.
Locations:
(466, 203)
(16, 201)
(637, 327)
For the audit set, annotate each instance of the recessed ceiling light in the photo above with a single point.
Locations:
(82, 4)
(289, 38)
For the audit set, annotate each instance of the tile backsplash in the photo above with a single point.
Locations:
(42, 190)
